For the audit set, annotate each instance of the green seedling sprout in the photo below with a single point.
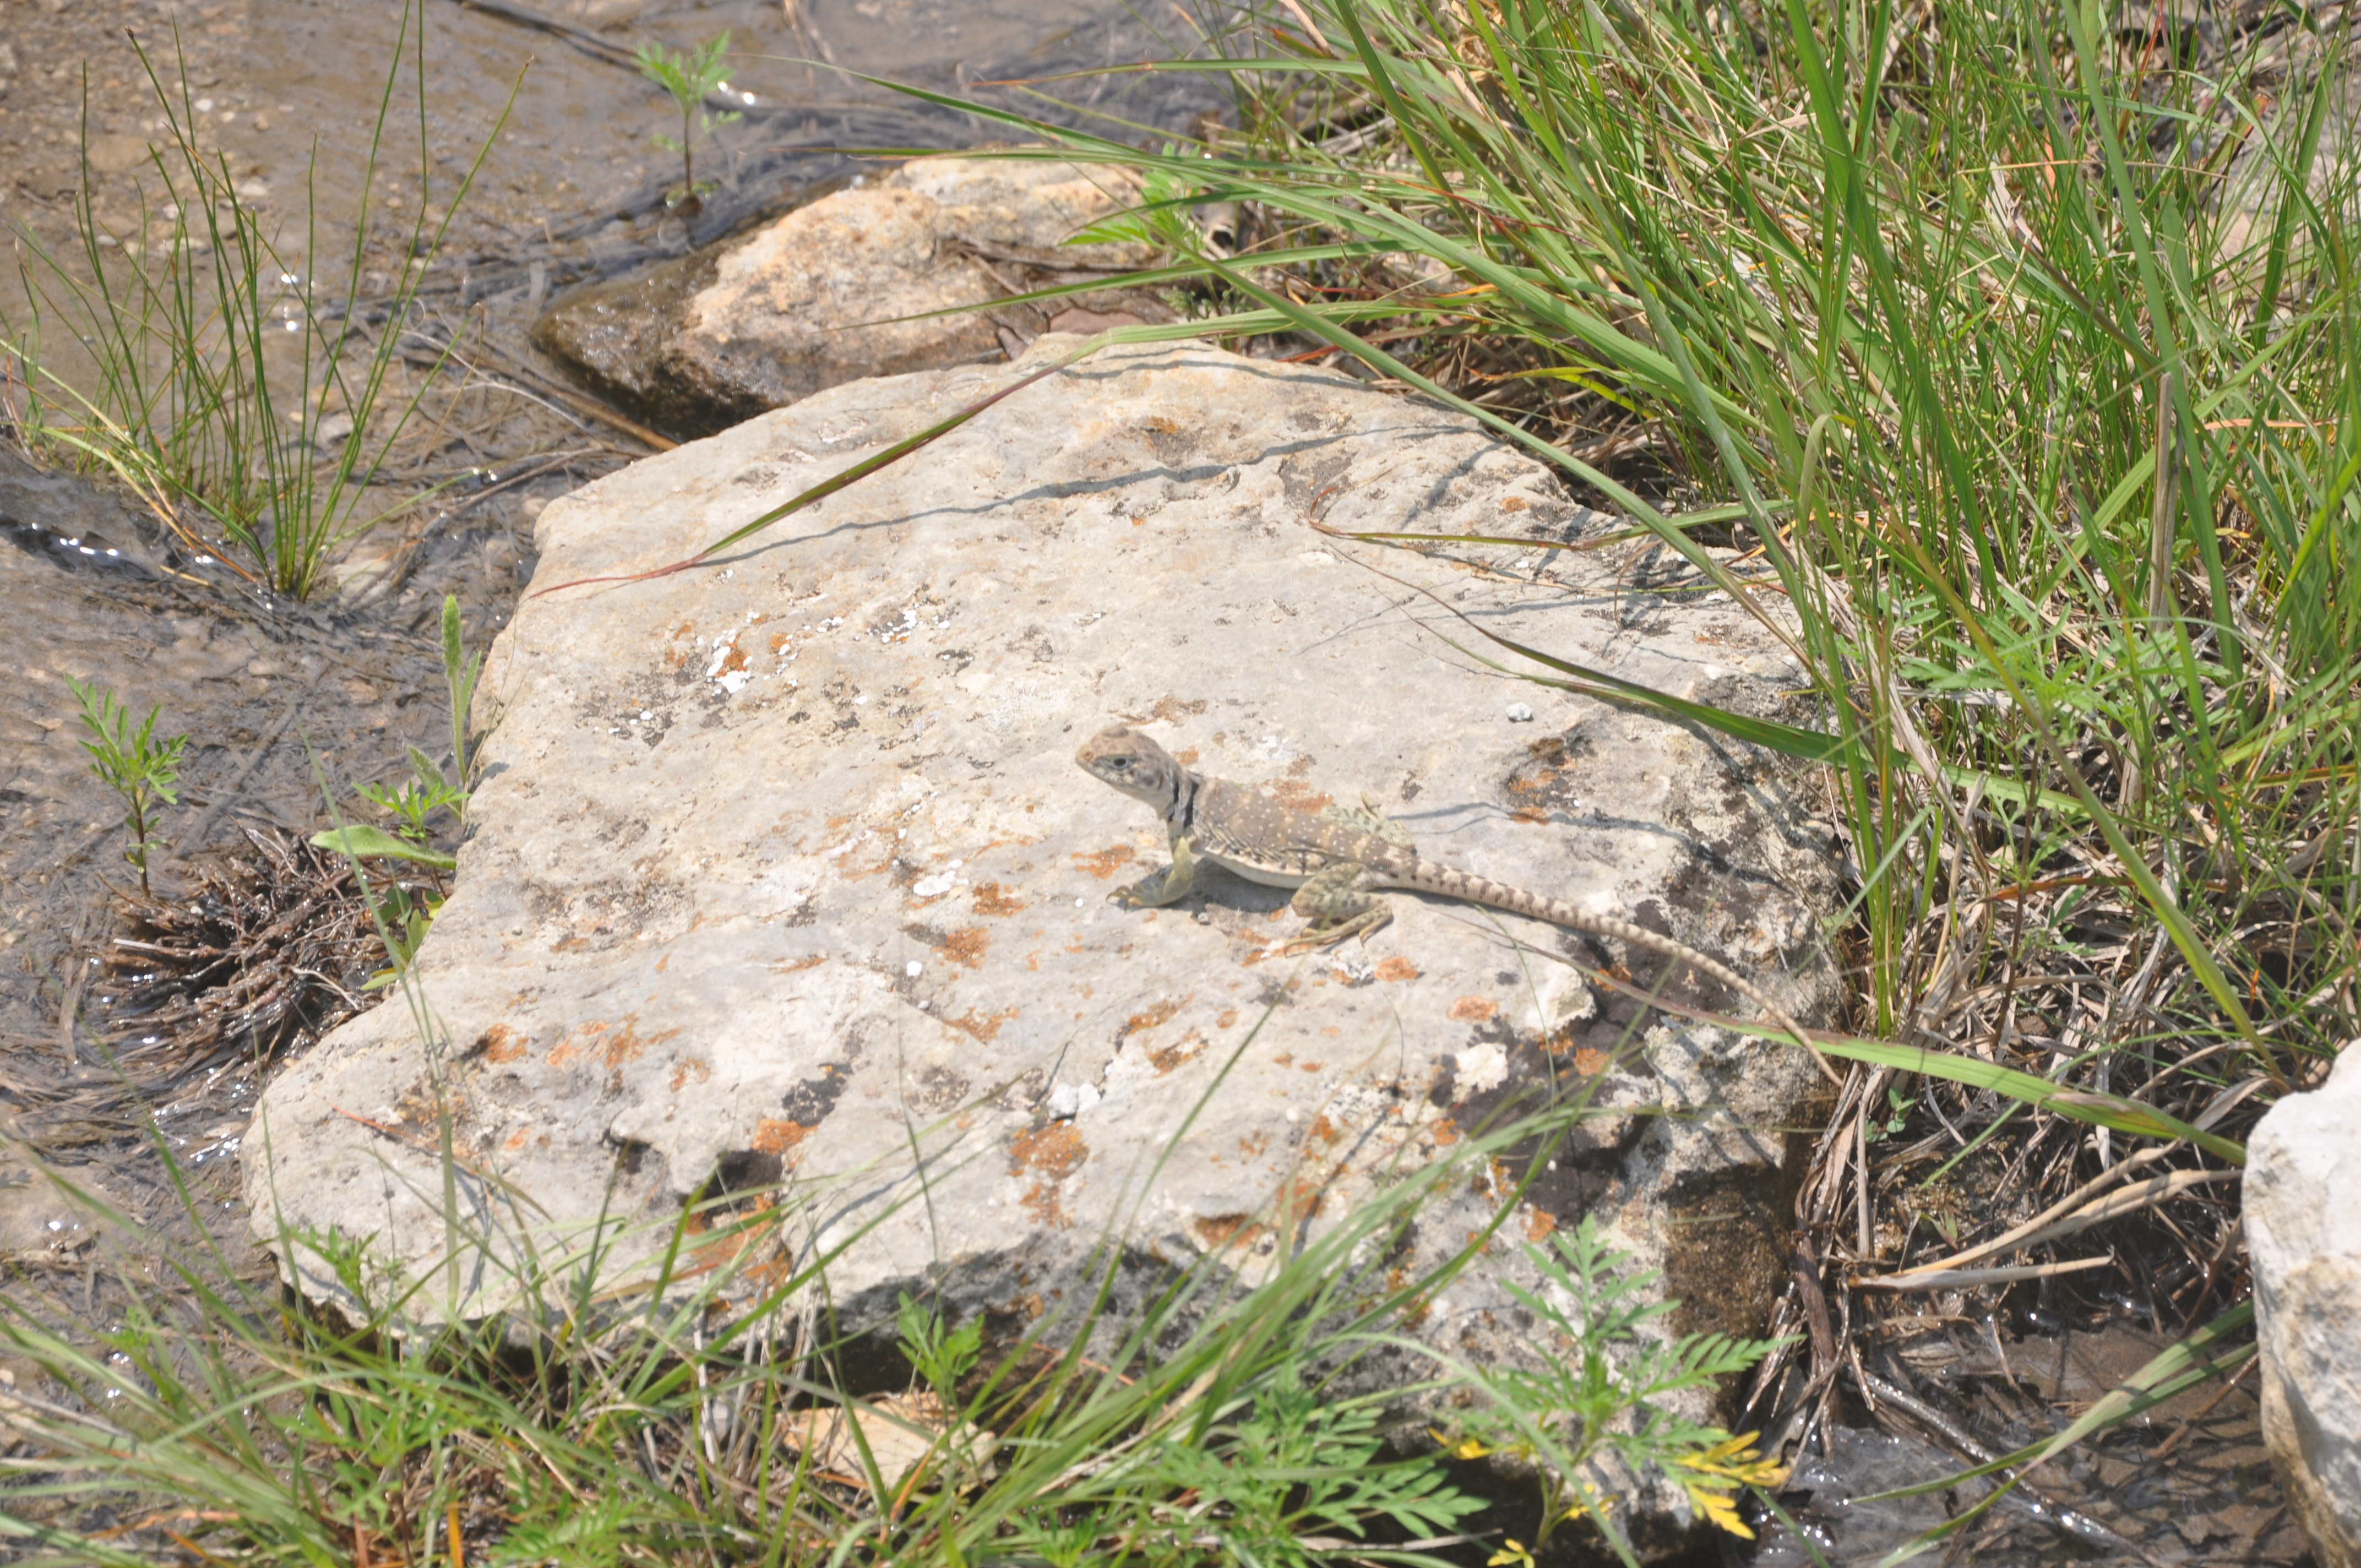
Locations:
(404, 913)
(131, 765)
(688, 76)
(459, 673)
(415, 799)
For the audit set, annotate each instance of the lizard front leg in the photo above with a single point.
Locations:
(1335, 906)
(1155, 892)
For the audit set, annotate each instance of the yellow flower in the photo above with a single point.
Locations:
(1721, 1469)
(1465, 1448)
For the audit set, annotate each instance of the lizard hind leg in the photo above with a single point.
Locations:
(1369, 817)
(1335, 906)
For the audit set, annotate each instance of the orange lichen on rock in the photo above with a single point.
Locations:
(1164, 1059)
(502, 1043)
(1306, 1195)
(1055, 1151)
(1102, 863)
(991, 898)
(982, 1026)
(1302, 795)
(1229, 1230)
(1474, 1009)
(778, 1136)
(1154, 1017)
(1051, 1153)
(1040, 1201)
(1397, 968)
(966, 946)
(577, 1045)
(1171, 710)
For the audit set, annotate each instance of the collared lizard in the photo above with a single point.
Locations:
(1336, 860)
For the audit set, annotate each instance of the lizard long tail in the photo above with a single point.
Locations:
(1427, 876)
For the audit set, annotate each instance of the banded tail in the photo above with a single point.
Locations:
(1432, 876)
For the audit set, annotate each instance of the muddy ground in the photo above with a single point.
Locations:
(287, 708)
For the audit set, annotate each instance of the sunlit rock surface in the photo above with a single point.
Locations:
(2303, 1234)
(782, 868)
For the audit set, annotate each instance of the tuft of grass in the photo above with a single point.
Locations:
(2043, 455)
(142, 771)
(249, 411)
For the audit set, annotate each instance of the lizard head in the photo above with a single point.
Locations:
(1133, 764)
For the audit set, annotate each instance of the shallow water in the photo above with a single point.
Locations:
(288, 89)
(2187, 1482)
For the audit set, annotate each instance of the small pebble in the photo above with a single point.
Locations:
(1519, 714)
(913, 969)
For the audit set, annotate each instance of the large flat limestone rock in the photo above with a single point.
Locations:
(784, 870)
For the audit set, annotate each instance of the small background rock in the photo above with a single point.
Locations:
(812, 299)
(2303, 1234)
